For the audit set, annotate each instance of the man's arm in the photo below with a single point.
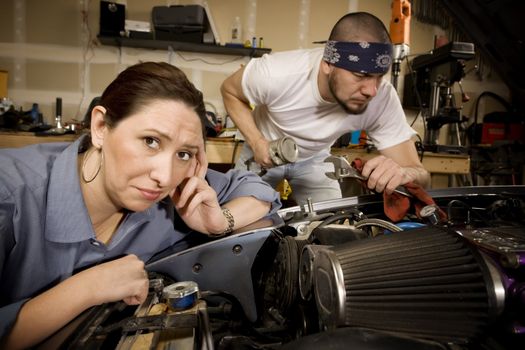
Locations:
(237, 106)
(396, 166)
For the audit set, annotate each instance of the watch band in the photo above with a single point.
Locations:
(231, 222)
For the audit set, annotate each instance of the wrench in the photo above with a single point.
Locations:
(343, 169)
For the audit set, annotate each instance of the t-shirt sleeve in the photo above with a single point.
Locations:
(390, 127)
(240, 183)
(256, 81)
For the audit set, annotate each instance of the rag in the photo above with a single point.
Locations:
(396, 205)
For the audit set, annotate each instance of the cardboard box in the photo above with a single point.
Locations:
(3, 84)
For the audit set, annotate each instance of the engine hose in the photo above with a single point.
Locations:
(342, 216)
(378, 222)
(409, 225)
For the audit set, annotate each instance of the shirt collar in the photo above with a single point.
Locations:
(67, 218)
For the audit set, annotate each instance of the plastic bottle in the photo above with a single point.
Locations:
(35, 113)
(236, 31)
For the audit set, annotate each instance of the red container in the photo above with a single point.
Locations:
(500, 131)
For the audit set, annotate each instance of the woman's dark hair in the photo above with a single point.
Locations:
(355, 25)
(144, 82)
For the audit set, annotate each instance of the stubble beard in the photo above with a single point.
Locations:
(344, 106)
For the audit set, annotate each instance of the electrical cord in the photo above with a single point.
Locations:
(88, 53)
(209, 62)
(498, 98)
(351, 214)
(418, 96)
(420, 149)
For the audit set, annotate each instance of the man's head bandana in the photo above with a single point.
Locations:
(360, 57)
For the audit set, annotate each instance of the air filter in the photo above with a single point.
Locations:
(426, 283)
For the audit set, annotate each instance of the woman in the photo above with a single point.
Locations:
(78, 221)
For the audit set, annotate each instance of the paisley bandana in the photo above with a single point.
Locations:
(360, 57)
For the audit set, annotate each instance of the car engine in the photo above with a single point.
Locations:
(336, 275)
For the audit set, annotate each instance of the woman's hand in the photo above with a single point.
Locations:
(196, 202)
(121, 279)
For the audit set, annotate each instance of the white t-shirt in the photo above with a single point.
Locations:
(283, 88)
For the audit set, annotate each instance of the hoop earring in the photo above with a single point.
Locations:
(84, 161)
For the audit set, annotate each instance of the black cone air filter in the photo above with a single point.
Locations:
(426, 283)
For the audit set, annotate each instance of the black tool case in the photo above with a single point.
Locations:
(179, 23)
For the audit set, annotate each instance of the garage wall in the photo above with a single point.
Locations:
(49, 48)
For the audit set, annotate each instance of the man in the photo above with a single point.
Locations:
(314, 97)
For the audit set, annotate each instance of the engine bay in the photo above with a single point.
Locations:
(337, 274)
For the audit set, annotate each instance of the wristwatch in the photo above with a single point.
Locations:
(231, 222)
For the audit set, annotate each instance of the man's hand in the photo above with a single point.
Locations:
(261, 153)
(397, 165)
(385, 175)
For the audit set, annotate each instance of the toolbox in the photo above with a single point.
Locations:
(179, 23)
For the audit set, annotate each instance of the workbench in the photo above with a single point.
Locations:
(226, 150)
(14, 139)
(440, 165)
(218, 150)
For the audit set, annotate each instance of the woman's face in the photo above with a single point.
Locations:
(150, 153)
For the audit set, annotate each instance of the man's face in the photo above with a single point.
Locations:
(353, 91)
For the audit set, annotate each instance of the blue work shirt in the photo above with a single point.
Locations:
(46, 234)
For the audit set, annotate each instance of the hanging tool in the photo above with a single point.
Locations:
(400, 35)
(343, 170)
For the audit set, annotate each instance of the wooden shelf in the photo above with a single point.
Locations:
(181, 46)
